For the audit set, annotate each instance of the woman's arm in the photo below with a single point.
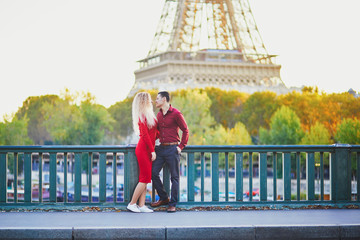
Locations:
(144, 132)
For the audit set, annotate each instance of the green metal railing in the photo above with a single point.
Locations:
(234, 175)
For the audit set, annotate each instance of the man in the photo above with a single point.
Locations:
(169, 121)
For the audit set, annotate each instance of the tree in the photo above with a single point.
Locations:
(33, 111)
(339, 106)
(95, 122)
(63, 121)
(257, 110)
(14, 132)
(348, 131)
(307, 105)
(238, 135)
(226, 106)
(122, 125)
(284, 129)
(318, 134)
(194, 105)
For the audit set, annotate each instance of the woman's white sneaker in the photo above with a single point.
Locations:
(133, 207)
(145, 209)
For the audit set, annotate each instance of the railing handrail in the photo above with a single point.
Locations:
(189, 148)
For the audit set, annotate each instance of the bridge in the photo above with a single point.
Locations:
(88, 187)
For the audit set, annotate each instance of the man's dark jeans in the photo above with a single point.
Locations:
(170, 156)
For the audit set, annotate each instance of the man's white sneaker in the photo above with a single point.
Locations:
(145, 209)
(133, 207)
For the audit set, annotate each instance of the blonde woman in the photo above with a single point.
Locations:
(145, 125)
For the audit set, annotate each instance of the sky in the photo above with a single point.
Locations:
(92, 45)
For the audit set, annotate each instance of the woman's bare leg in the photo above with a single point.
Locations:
(140, 187)
(142, 197)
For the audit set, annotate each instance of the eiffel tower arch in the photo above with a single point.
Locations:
(202, 43)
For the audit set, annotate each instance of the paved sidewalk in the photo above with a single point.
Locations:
(247, 224)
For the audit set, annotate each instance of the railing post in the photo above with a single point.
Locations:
(53, 177)
(114, 165)
(89, 175)
(215, 176)
(239, 176)
(15, 183)
(203, 171)
(341, 173)
(102, 180)
(250, 176)
(263, 176)
(77, 177)
(27, 177)
(126, 177)
(190, 177)
(310, 176)
(65, 178)
(274, 176)
(40, 177)
(298, 176)
(3, 177)
(287, 176)
(133, 172)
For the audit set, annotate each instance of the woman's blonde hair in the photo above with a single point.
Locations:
(142, 109)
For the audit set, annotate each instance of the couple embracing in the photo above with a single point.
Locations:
(165, 127)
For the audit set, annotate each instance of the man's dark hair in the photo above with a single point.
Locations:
(165, 94)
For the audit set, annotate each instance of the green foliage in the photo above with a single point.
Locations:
(122, 125)
(257, 111)
(238, 135)
(71, 124)
(194, 105)
(285, 128)
(14, 132)
(63, 121)
(33, 111)
(214, 116)
(95, 121)
(318, 134)
(226, 106)
(348, 131)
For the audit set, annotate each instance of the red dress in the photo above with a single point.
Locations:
(144, 148)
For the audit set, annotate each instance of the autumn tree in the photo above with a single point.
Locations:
(257, 111)
(226, 106)
(318, 134)
(336, 107)
(238, 135)
(285, 128)
(307, 106)
(348, 131)
(194, 105)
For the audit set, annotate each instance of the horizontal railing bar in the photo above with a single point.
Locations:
(68, 148)
(197, 148)
(261, 148)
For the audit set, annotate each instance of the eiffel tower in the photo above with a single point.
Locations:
(202, 43)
